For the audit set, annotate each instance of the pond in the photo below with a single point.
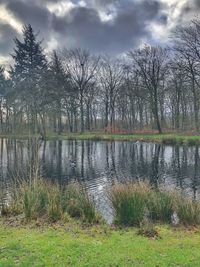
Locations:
(99, 164)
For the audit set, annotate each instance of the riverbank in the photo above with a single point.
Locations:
(168, 138)
(71, 244)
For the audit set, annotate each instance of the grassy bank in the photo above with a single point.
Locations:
(71, 245)
(44, 224)
(159, 138)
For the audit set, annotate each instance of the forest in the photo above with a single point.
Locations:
(150, 88)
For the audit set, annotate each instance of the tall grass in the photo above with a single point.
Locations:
(160, 205)
(134, 202)
(41, 199)
(128, 201)
(188, 210)
(79, 204)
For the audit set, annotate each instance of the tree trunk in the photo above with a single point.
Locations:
(82, 113)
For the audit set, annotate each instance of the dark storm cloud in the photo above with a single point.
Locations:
(197, 3)
(6, 40)
(163, 19)
(85, 28)
(82, 26)
(30, 13)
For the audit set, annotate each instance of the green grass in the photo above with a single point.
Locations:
(76, 247)
(174, 138)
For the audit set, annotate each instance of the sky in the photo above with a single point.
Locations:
(103, 26)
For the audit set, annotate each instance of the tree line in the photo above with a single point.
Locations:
(150, 88)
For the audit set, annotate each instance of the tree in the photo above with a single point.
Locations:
(80, 91)
(60, 87)
(186, 45)
(151, 64)
(3, 89)
(30, 67)
(111, 81)
(82, 67)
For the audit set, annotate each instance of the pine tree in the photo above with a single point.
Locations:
(28, 72)
(2, 82)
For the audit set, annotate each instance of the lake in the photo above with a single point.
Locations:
(100, 164)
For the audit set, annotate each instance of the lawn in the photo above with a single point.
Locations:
(73, 245)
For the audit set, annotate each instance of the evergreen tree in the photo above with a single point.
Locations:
(2, 82)
(28, 73)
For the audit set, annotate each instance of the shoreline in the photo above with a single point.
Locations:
(168, 139)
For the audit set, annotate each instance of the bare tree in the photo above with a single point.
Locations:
(186, 46)
(151, 66)
(111, 76)
(82, 67)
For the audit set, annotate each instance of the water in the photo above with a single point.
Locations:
(100, 164)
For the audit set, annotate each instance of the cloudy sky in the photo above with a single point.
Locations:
(102, 26)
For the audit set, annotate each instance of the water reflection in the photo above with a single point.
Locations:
(99, 164)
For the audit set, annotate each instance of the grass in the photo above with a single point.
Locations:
(40, 228)
(188, 210)
(134, 202)
(128, 202)
(73, 246)
(41, 199)
(161, 205)
(166, 138)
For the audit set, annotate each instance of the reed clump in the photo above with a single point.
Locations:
(128, 201)
(160, 205)
(77, 203)
(42, 199)
(188, 210)
(134, 202)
